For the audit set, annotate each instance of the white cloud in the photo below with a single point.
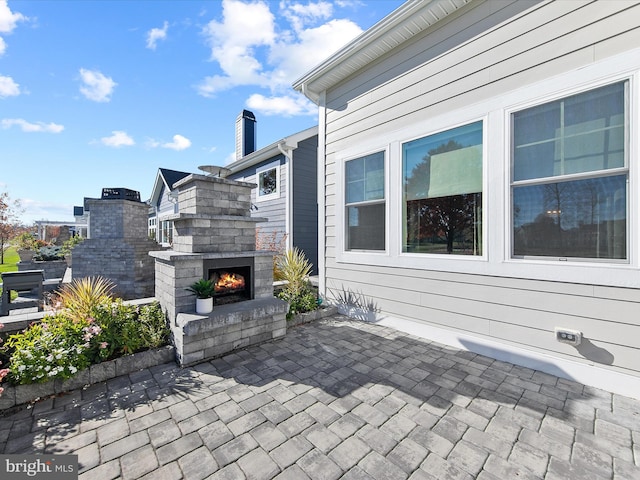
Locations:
(8, 87)
(31, 127)
(118, 139)
(300, 15)
(312, 46)
(179, 143)
(251, 50)
(38, 210)
(8, 21)
(244, 27)
(97, 87)
(285, 106)
(156, 34)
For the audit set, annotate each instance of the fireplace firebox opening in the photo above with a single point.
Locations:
(232, 278)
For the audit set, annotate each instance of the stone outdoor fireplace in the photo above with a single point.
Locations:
(214, 238)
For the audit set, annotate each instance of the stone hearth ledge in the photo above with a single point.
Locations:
(199, 338)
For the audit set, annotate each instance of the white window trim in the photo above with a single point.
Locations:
(359, 256)
(496, 259)
(436, 257)
(615, 171)
(272, 196)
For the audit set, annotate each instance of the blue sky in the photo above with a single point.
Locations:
(102, 93)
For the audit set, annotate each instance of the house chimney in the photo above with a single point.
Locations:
(245, 134)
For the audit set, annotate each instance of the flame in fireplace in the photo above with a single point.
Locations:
(228, 282)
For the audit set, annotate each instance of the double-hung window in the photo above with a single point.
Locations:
(570, 175)
(365, 203)
(442, 192)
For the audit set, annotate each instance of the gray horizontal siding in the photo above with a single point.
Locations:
(482, 51)
(524, 313)
(519, 52)
(165, 206)
(273, 210)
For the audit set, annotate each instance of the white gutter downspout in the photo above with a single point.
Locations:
(322, 231)
(287, 151)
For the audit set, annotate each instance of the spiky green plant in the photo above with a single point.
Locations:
(297, 292)
(82, 296)
(294, 269)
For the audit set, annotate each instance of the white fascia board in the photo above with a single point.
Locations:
(157, 188)
(396, 28)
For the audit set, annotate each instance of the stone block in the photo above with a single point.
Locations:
(26, 393)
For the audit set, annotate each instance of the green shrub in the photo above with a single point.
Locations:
(63, 344)
(153, 326)
(48, 253)
(305, 300)
(26, 241)
(127, 329)
(294, 268)
(70, 244)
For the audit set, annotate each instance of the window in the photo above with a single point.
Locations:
(569, 176)
(268, 180)
(152, 228)
(166, 232)
(365, 203)
(442, 198)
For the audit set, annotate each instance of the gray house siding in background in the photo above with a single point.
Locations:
(273, 210)
(293, 214)
(305, 199)
(478, 64)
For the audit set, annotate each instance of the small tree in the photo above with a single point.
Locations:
(9, 221)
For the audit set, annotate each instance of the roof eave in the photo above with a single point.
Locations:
(415, 16)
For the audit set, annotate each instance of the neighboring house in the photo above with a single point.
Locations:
(163, 203)
(479, 177)
(286, 176)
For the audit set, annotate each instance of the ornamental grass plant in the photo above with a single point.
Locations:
(81, 296)
(294, 268)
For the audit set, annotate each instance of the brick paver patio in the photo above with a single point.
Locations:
(337, 399)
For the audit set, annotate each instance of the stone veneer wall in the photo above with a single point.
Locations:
(175, 271)
(118, 247)
(214, 216)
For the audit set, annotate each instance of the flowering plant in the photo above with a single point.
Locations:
(3, 371)
(60, 346)
(55, 348)
(89, 327)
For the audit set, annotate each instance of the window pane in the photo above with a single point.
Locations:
(267, 182)
(442, 177)
(581, 133)
(365, 178)
(444, 164)
(366, 227)
(445, 225)
(585, 219)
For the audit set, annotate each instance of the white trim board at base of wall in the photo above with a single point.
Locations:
(587, 374)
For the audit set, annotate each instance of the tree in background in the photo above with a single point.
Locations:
(10, 224)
